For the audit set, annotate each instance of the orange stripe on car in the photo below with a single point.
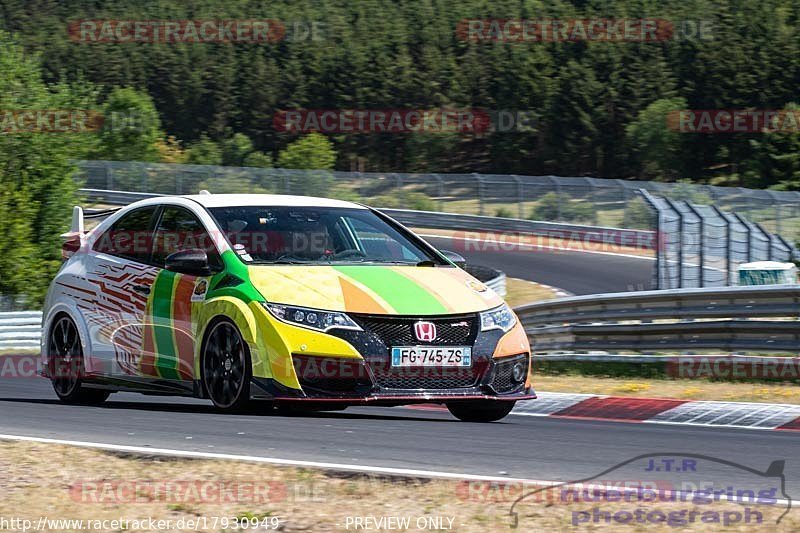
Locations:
(357, 299)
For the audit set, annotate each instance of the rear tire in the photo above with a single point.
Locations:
(226, 369)
(66, 365)
(480, 410)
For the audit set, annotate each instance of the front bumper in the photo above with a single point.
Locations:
(371, 378)
(269, 389)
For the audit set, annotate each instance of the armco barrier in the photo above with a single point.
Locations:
(20, 330)
(729, 318)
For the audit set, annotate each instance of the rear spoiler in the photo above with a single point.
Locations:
(73, 240)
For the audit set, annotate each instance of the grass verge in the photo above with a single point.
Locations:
(520, 292)
(63, 482)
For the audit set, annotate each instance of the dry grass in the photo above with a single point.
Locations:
(671, 388)
(520, 292)
(40, 479)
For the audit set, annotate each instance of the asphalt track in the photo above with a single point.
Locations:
(519, 447)
(575, 272)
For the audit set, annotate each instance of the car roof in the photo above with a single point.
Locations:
(237, 200)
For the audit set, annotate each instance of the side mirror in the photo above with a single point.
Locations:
(193, 262)
(455, 258)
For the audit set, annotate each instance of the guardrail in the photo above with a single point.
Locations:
(640, 239)
(728, 318)
(20, 330)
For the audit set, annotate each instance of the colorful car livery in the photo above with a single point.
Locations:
(291, 300)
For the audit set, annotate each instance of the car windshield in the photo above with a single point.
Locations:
(317, 235)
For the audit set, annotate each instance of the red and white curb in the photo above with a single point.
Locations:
(663, 411)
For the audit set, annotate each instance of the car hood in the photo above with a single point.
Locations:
(374, 289)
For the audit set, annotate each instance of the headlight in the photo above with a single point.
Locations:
(311, 318)
(501, 318)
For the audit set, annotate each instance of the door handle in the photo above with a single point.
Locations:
(144, 289)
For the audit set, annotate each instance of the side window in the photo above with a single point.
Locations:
(179, 229)
(129, 237)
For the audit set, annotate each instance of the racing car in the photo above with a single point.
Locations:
(296, 301)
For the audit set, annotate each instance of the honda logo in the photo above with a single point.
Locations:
(425, 331)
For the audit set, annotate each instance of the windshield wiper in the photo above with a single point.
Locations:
(426, 263)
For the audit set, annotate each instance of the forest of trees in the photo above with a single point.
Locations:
(599, 107)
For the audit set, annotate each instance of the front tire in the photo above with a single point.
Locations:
(480, 410)
(226, 370)
(66, 365)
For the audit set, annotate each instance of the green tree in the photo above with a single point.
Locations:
(204, 152)
(235, 149)
(37, 184)
(776, 156)
(131, 129)
(314, 151)
(257, 159)
(656, 147)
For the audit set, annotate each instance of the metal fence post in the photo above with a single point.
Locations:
(439, 190)
(520, 196)
(145, 181)
(479, 178)
(557, 187)
(743, 222)
(659, 237)
(770, 238)
(778, 211)
(728, 238)
(702, 243)
(109, 176)
(681, 241)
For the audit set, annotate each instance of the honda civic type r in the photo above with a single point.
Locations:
(287, 299)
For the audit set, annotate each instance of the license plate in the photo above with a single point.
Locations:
(431, 356)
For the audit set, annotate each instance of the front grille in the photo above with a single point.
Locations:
(503, 380)
(398, 382)
(434, 378)
(450, 331)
